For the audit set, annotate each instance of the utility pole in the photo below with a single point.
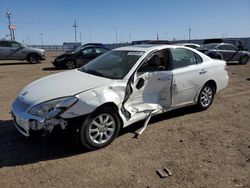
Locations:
(75, 26)
(115, 28)
(8, 14)
(189, 33)
(80, 37)
(41, 34)
(157, 36)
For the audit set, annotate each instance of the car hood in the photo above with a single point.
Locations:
(35, 49)
(63, 84)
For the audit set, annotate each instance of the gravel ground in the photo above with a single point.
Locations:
(201, 149)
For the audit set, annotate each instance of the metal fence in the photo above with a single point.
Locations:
(244, 41)
(70, 47)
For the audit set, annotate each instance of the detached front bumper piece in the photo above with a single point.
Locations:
(26, 122)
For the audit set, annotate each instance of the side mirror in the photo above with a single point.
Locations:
(140, 83)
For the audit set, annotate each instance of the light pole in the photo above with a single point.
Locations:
(41, 34)
(80, 37)
(9, 16)
(115, 28)
(189, 33)
(75, 26)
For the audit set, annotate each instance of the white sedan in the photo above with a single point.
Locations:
(117, 89)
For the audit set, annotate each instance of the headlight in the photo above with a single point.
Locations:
(53, 108)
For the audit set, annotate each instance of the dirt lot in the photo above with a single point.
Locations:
(202, 149)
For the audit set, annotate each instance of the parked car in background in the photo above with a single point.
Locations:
(190, 45)
(136, 42)
(225, 51)
(80, 56)
(117, 89)
(12, 50)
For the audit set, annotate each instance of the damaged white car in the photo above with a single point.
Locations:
(118, 88)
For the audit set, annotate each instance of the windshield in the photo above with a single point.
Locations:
(78, 49)
(113, 64)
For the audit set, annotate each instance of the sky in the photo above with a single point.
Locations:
(102, 20)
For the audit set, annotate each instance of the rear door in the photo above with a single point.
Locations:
(232, 52)
(223, 50)
(188, 75)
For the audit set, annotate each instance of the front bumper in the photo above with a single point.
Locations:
(26, 122)
(42, 57)
(59, 64)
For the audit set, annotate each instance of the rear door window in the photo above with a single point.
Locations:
(222, 47)
(182, 58)
(231, 47)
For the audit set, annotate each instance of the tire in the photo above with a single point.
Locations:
(206, 96)
(70, 64)
(244, 60)
(33, 58)
(95, 133)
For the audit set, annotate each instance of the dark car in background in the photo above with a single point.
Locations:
(80, 56)
(12, 50)
(225, 51)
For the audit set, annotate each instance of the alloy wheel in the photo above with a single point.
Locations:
(102, 128)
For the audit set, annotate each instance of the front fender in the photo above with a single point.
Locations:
(92, 99)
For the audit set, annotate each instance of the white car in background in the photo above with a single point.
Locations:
(117, 89)
(190, 45)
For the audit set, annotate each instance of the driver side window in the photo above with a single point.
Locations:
(15, 45)
(157, 62)
(88, 51)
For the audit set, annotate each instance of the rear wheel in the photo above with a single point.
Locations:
(33, 58)
(206, 96)
(100, 129)
(70, 64)
(244, 60)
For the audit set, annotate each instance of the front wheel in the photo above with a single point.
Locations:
(70, 64)
(100, 129)
(244, 60)
(206, 97)
(33, 59)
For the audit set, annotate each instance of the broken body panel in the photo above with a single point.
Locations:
(139, 95)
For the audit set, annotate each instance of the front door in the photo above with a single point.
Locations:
(16, 51)
(85, 56)
(151, 87)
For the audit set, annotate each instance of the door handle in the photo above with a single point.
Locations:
(164, 79)
(203, 71)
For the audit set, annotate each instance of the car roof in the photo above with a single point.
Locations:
(148, 47)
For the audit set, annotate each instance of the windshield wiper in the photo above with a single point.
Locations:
(94, 72)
